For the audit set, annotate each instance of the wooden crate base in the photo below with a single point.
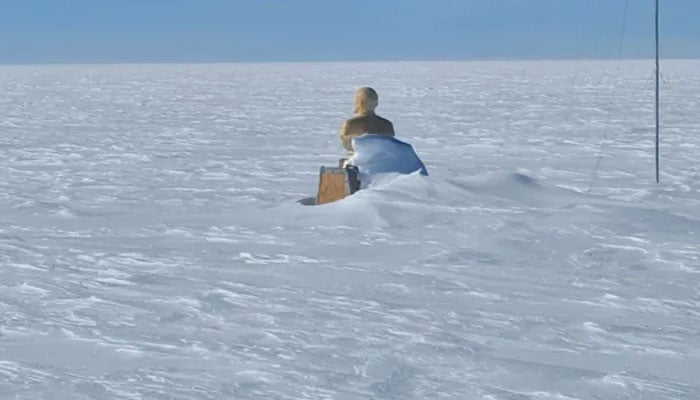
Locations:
(336, 183)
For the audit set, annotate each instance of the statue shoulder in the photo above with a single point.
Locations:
(356, 119)
(387, 125)
(383, 119)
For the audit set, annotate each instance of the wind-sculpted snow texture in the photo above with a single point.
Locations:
(151, 246)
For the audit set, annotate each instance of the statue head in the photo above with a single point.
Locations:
(366, 100)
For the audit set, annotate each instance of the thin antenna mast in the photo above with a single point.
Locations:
(657, 91)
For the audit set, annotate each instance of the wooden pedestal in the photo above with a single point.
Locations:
(336, 183)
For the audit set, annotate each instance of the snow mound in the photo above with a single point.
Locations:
(380, 154)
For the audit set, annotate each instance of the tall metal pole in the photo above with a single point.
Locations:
(657, 91)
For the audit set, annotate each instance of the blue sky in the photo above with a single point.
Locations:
(76, 31)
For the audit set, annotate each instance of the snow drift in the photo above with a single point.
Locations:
(381, 154)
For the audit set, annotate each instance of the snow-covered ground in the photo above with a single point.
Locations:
(151, 245)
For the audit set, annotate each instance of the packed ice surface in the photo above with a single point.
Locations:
(151, 246)
(376, 155)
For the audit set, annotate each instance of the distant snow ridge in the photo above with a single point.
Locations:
(380, 154)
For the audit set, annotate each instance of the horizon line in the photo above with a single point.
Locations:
(375, 61)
